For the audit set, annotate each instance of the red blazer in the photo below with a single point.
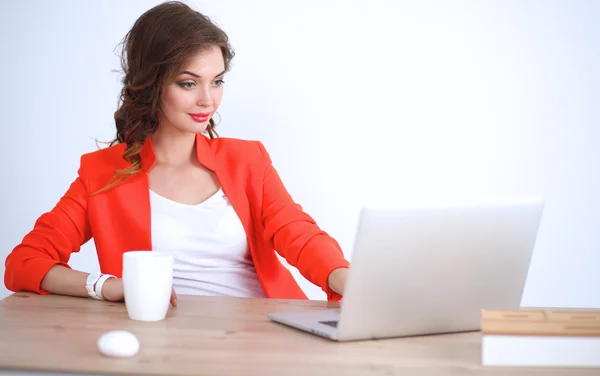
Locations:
(119, 219)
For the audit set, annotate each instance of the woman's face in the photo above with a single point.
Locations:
(189, 101)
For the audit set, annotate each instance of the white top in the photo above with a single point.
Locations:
(209, 246)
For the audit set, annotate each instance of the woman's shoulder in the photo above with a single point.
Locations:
(100, 165)
(110, 157)
(231, 143)
(247, 150)
(97, 168)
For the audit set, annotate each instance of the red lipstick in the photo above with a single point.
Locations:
(200, 117)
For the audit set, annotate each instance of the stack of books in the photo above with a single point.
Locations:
(541, 338)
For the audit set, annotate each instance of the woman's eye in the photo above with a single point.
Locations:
(187, 85)
(218, 83)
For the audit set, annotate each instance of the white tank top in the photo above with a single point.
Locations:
(208, 244)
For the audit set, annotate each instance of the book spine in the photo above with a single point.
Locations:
(553, 328)
(541, 322)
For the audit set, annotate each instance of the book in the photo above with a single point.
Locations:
(541, 337)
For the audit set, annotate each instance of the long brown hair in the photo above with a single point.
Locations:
(153, 51)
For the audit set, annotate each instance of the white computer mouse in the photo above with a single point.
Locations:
(118, 344)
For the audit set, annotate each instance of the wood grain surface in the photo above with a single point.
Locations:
(220, 336)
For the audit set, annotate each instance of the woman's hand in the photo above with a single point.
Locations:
(337, 280)
(112, 290)
(173, 298)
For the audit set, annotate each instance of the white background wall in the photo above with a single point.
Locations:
(402, 100)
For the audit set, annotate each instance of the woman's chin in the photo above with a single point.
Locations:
(196, 128)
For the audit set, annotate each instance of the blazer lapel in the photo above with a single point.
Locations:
(232, 180)
(134, 195)
(134, 216)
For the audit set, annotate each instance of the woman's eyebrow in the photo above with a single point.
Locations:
(198, 76)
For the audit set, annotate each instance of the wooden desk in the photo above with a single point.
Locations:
(219, 336)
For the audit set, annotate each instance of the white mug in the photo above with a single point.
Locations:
(147, 284)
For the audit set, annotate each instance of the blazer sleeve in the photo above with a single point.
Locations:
(54, 237)
(295, 235)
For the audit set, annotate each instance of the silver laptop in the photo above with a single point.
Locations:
(428, 270)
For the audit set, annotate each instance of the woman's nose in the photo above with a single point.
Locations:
(204, 97)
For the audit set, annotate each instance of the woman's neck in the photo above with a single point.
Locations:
(173, 147)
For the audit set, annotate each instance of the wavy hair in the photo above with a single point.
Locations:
(158, 45)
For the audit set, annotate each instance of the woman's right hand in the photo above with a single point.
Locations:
(112, 290)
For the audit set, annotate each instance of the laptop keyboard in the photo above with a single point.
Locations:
(333, 323)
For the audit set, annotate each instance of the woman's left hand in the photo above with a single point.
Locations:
(337, 280)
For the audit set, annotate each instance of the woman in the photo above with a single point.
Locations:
(216, 204)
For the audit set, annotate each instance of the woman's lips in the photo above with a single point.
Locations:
(200, 117)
